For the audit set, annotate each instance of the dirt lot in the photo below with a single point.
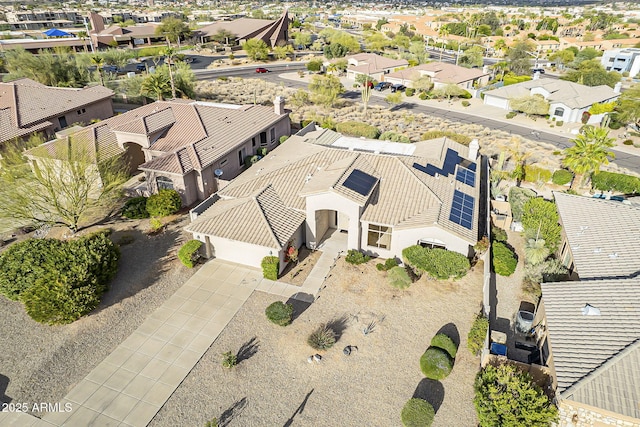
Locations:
(275, 385)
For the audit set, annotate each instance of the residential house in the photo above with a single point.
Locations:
(180, 144)
(441, 74)
(622, 61)
(27, 107)
(272, 32)
(372, 65)
(386, 196)
(568, 101)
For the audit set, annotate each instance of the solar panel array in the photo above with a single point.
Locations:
(360, 182)
(466, 176)
(462, 209)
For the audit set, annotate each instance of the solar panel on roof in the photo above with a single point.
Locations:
(462, 209)
(360, 182)
(466, 176)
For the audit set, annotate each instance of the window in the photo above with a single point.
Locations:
(559, 112)
(164, 183)
(263, 139)
(81, 111)
(253, 141)
(63, 122)
(241, 156)
(432, 244)
(224, 162)
(272, 132)
(379, 236)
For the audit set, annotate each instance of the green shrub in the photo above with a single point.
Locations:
(457, 137)
(609, 181)
(322, 338)
(229, 360)
(417, 413)
(536, 174)
(270, 267)
(399, 278)
(224, 78)
(436, 364)
(163, 203)
(135, 208)
(465, 103)
(513, 79)
(149, 51)
(628, 142)
(504, 260)
(283, 138)
(477, 334)
(189, 253)
(446, 343)
(71, 286)
(540, 219)
(394, 137)
(511, 114)
(250, 160)
(279, 313)
(356, 257)
(498, 234)
(438, 263)
(465, 95)
(389, 263)
(481, 245)
(561, 177)
(559, 123)
(517, 198)
(409, 91)
(423, 96)
(358, 129)
(155, 224)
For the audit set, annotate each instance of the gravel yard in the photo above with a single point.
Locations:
(42, 363)
(275, 385)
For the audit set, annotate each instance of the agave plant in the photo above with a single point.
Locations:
(322, 338)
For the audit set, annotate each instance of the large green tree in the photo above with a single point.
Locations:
(592, 73)
(472, 57)
(173, 29)
(519, 56)
(52, 69)
(325, 90)
(505, 396)
(223, 36)
(629, 105)
(589, 152)
(531, 105)
(540, 221)
(257, 50)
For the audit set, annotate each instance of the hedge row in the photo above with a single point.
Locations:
(438, 263)
(358, 129)
(270, 267)
(609, 181)
(504, 260)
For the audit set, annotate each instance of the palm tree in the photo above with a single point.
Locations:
(97, 60)
(443, 32)
(170, 53)
(155, 85)
(519, 158)
(82, 35)
(535, 251)
(589, 152)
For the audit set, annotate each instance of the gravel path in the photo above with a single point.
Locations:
(276, 386)
(43, 362)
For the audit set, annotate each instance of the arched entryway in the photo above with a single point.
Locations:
(134, 156)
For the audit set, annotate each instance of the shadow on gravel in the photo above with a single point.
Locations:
(299, 306)
(143, 259)
(4, 383)
(299, 410)
(451, 330)
(248, 350)
(430, 390)
(233, 411)
(339, 325)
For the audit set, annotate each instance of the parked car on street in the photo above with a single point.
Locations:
(398, 88)
(141, 67)
(382, 86)
(537, 70)
(261, 70)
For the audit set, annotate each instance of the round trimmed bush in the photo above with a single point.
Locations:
(444, 342)
(135, 208)
(561, 177)
(417, 413)
(279, 313)
(188, 253)
(165, 202)
(436, 364)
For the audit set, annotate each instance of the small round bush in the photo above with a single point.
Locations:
(417, 413)
(165, 202)
(628, 142)
(279, 313)
(188, 253)
(436, 364)
(465, 103)
(322, 338)
(135, 208)
(445, 343)
(561, 177)
(356, 257)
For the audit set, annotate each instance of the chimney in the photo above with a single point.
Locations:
(617, 87)
(474, 146)
(278, 105)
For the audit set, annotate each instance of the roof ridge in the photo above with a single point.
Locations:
(264, 215)
(344, 172)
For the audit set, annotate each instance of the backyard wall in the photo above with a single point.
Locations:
(588, 416)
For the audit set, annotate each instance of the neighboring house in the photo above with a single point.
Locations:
(600, 237)
(386, 196)
(272, 32)
(588, 330)
(373, 65)
(179, 144)
(27, 106)
(568, 101)
(622, 60)
(131, 36)
(589, 333)
(441, 74)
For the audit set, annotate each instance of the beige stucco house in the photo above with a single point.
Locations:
(441, 74)
(179, 144)
(385, 196)
(372, 65)
(28, 107)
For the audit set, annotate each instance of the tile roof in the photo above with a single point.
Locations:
(260, 219)
(571, 94)
(32, 102)
(440, 72)
(240, 27)
(596, 357)
(603, 235)
(371, 63)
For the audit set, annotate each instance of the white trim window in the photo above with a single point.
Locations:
(272, 135)
(379, 236)
(164, 183)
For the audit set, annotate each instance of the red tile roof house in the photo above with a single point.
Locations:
(27, 106)
(372, 65)
(180, 143)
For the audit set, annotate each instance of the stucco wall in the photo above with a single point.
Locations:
(240, 252)
(185, 185)
(574, 414)
(333, 202)
(98, 110)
